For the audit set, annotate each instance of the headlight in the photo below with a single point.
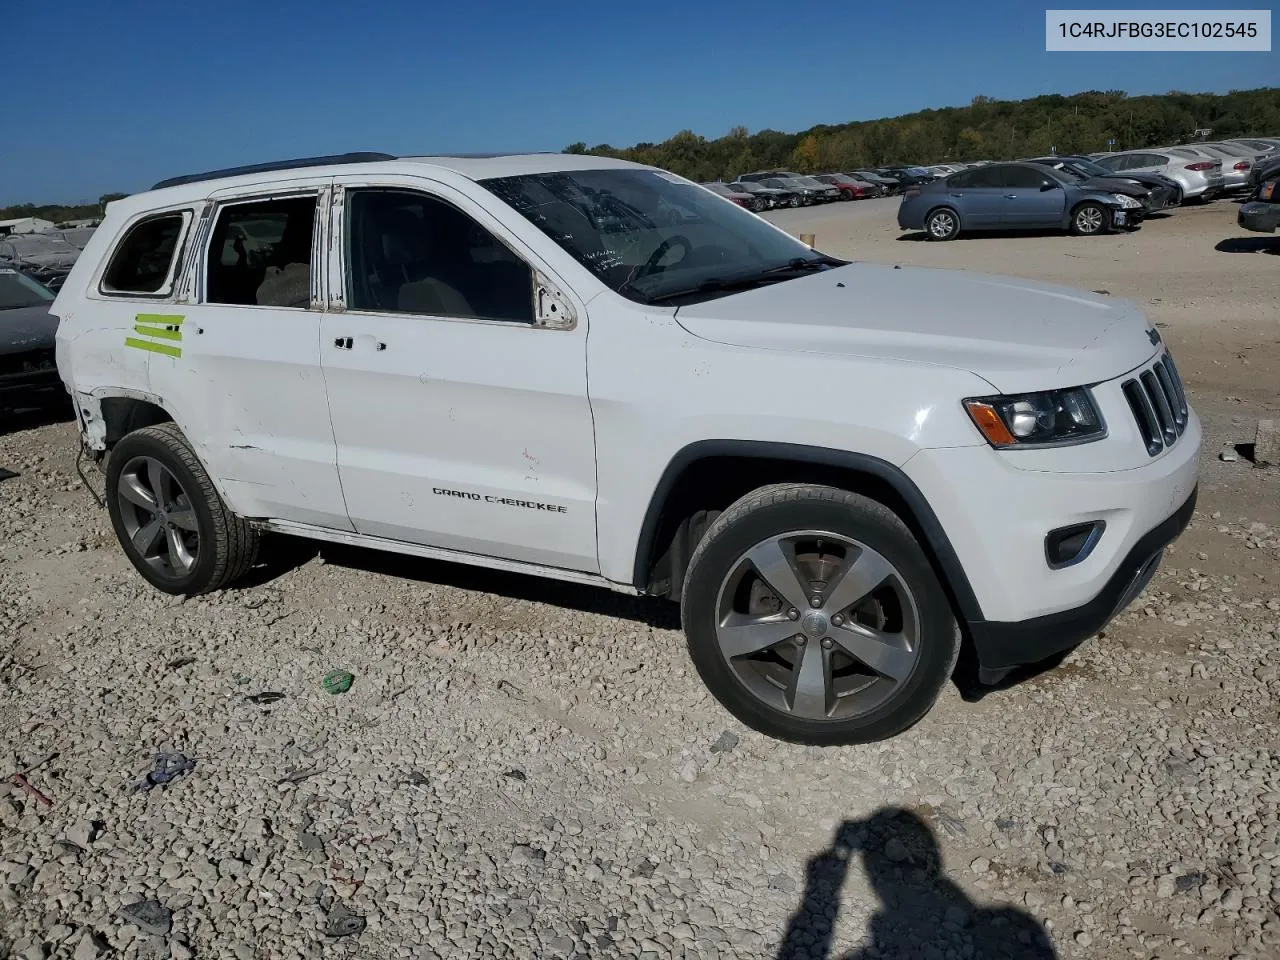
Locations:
(1128, 203)
(1037, 419)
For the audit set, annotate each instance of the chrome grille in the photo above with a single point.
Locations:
(1159, 404)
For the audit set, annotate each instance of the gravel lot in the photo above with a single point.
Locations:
(529, 769)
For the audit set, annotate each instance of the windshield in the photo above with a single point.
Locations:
(810, 182)
(651, 236)
(1089, 168)
(19, 290)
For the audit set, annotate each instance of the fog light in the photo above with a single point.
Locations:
(1069, 545)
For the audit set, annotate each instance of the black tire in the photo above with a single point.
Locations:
(227, 544)
(942, 224)
(793, 201)
(1090, 219)
(785, 508)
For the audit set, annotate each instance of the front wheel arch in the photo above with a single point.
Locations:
(711, 474)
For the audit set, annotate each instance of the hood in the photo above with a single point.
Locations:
(1017, 335)
(1115, 185)
(23, 329)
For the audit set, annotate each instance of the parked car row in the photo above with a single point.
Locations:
(1090, 194)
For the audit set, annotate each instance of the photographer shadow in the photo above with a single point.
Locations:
(921, 913)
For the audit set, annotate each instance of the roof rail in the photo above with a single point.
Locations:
(337, 158)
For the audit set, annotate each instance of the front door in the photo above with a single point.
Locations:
(1029, 202)
(241, 363)
(459, 422)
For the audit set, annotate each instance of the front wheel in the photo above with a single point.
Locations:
(173, 526)
(793, 202)
(813, 615)
(1089, 219)
(943, 224)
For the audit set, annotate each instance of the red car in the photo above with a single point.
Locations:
(850, 189)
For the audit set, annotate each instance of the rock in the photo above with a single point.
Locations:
(1084, 938)
(1233, 899)
(1165, 886)
(525, 854)
(82, 833)
(980, 866)
(726, 742)
(180, 951)
(89, 948)
(1266, 444)
(149, 916)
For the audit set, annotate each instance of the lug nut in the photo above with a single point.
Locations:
(815, 601)
(837, 621)
(827, 643)
(801, 641)
(793, 614)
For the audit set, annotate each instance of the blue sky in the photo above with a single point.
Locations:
(114, 96)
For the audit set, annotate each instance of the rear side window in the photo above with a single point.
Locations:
(145, 262)
(260, 253)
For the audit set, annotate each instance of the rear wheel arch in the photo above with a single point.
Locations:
(705, 477)
(122, 415)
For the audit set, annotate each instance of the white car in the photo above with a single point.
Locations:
(594, 371)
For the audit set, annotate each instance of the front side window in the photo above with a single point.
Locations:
(260, 253)
(411, 253)
(19, 290)
(144, 262)
(1027, 179)
(650, 236)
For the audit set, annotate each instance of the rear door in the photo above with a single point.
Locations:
(240, 363)
(975, 196)
(460, 422)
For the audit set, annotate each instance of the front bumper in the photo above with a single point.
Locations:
(1259, 216)
(1002, 646)
(28, 372)
(997, 507)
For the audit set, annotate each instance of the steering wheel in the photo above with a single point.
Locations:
(651, 265)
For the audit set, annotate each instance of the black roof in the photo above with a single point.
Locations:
(273, 165)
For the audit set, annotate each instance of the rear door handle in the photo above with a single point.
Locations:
(1011, 196)
(343, 343)
(956, 196)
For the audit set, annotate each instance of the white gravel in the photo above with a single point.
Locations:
(524, 769)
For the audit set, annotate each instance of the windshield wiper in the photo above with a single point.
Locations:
(797, 267)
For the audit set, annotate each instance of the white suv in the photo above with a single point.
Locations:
(595, 371)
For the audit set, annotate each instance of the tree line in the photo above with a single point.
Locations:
(986, 129)
(60, 212)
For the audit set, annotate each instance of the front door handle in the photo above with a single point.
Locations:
(1011, 196)
(956, 196)
(343, 343)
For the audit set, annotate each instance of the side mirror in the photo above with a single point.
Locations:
(1047, 185)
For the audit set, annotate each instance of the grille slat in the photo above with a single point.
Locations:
(1164, 412)
(1159, 404)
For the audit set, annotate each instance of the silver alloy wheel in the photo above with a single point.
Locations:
(817, 625)
(1089, 220)
(942, 224)
(158, 516)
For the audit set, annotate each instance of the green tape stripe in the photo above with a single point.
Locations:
(159, 319)
(152, 347)
(159, 332)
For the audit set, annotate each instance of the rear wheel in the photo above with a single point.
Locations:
(942, 224)
(793, 202)
(814, 616)
(173, 526)
(1089, 219)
